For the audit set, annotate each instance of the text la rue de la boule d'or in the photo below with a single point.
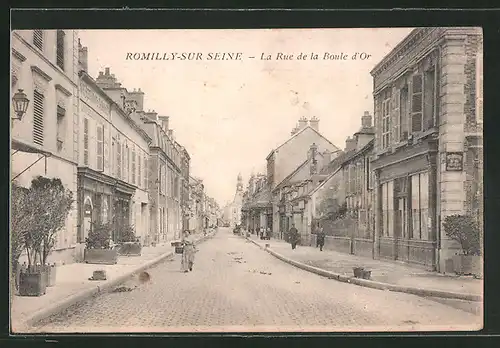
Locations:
(228, 56)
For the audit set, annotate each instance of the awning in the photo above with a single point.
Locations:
(20, 146)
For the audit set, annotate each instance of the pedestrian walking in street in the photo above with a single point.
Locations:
(293, 236)
(261, 233)
(268, 234)
(320, 238)
(188, 252)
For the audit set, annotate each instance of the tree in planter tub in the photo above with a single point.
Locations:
(45, 208)
(130, 245)
(465, 230)
(21, 220)
(57, 205)
(97, 245)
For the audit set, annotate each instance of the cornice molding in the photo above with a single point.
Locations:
(63, 90)
(41, 73)
(18, 55)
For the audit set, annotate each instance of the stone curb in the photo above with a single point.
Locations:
(373, 284)
(85, 294)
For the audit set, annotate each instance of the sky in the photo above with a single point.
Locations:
(230, 114)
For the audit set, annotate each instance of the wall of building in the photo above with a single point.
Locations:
(34, 69)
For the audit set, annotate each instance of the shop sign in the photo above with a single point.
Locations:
(454, 161)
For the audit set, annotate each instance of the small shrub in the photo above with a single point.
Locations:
(465, 230)
(127, 234)
(99, 236)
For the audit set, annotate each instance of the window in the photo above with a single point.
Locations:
(390, 208)
(386, 120)
(100, 148)
(416, 104)
(133, 166)
(359, 185)
(403, 114)
(479, 87)
(60, 49)
(139, 170)
(38, 117)
(429, 98)
(38, 39)
(385, 211)
(420, 208)
(61, 127)
(86, 141)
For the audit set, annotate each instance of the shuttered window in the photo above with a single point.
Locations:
(133, 166)
(86, 141)
(38, 117)
(38, 39)
(429, 98)
(396, 100)
(416, 104)
(403, 112)
(100, 148)
(60, 49)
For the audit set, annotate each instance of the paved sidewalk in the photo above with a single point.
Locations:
(382, 271)
(72, 279)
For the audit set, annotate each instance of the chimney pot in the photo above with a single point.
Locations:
(107, 71)
(366, 120)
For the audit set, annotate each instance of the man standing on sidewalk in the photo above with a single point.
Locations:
(294, 236)
(320, 238)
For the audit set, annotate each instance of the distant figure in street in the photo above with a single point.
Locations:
(320, 238)
(187, 253)
(261, 231)
(268, 234)
(293, 236)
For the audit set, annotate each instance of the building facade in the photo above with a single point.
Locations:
(428, 142)
(44, 64)
(284, 159)
(196, 198)
(233, 209)
(113, 148)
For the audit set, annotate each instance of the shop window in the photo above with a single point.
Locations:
(385, 211)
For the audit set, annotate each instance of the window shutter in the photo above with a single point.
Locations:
(396, 114)
(60, 49)
(139, 170)
(133, 165)
(38, 39)
(107, 157)
(145, 173)
(429, 98)
(86, 141)
(416, 103)
(38, 117)
(100, 148)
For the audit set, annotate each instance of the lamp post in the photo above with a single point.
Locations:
(20, 103)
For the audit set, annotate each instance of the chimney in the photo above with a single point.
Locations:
(106, 71)
(327, 157)
(83, 60)
(350, 144)
(302, 123)
(314, 123)
(366, 120)
(164, 122)
(138, 96)
(313, 149)
(295, 130)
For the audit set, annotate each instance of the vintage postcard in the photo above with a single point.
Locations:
(263, 180)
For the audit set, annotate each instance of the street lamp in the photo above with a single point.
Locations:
(20, 102)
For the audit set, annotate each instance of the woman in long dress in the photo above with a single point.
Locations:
(188, 252)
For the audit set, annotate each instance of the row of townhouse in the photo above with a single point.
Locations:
(122, 163)
(386, 195)
(203, 210)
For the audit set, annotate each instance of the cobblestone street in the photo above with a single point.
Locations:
(235, 286)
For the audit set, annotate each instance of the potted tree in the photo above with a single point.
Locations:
(20, 220)
(129, 243)
(55, 205)
(465, 230)
(97, 245)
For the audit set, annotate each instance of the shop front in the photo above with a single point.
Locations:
(406, 205)
(102, 199)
